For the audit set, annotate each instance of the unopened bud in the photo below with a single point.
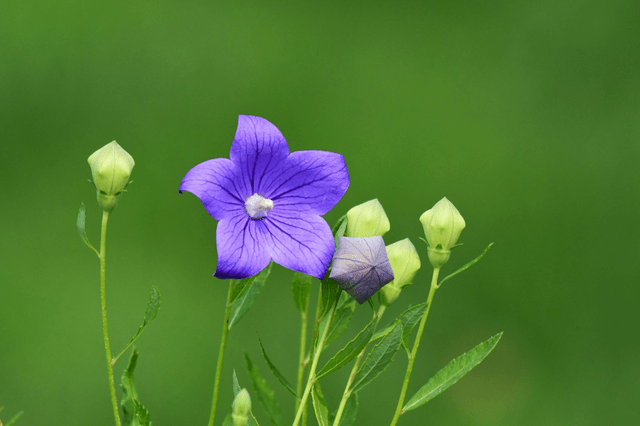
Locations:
(241, 408)
(367, 220)
(442, 227)
(405, 263)
(111, 168)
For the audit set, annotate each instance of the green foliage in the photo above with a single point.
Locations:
(247, 295)
(342, 317)
(275, 371)
(350, 351)
(320, 405)
(265, 395)
(300, 288)
(80, 223)
(134, 412)
(379, 358)
(152, 311)
(451, 373)
(468, 265)
(236, 384)
(350, 411)
(330, 292)
(339, 229)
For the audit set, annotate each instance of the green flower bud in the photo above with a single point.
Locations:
(442, 227)
(241, 408)
(367, 220)
(405, 263)
(111, 167)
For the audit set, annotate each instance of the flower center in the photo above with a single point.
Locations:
(257, 206)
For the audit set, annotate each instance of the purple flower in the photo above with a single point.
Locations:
(268, 202)
(361, 266)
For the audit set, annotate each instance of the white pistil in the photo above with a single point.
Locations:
(257, 206)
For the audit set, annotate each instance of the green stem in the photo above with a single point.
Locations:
(347, 391)
(301, 366)
(223, 344)
(414, 351)
(103, 300)
(314, 364)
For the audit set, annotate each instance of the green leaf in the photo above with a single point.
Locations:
(383, 332)
(239, 286)
(265, 395)
(350, 351)
(236, 384)
(330, 292)
(340, 321)
(409, 320)
(467, 265)
(379, 358)
(134, 412)
(350, 411)
(80, 223)
(275, 371)
(246, 299)
(339, 229)
(14, 419)
(320, 405)
(451, 373)
(152, 311)
(300, 288)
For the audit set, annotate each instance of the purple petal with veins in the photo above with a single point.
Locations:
(361, 266)
(269, 202)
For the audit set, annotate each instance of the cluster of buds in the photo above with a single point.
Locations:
(111, 168)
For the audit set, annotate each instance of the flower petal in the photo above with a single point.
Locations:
(258, 149)
(301, 242)
(216, 184)
(242, 251)
(310, 180)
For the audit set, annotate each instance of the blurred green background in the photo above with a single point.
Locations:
(525, 114)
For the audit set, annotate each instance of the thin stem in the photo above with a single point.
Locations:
(314, 364)
(223, 344)
(103, 300)
(347, 390)
(414, 351)
(301, 366)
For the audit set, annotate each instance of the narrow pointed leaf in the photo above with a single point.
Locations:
(265, 395)
(451, 373)
(379, 358)
(246, 299)
(341, 320)
(409, 320)
(275, 371)
(320, 405)
(330, 292)
(383, 332)
(350, 411)
(129, 392)
(152, 311)
(14, 419)
(80, 223)
(350, 351)
(300, 288)
(339, 229)
(236, 385)
(239, 287)
(467, 265)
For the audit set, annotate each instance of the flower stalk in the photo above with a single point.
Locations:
(223, 345)
(103, 300)
(414, 351)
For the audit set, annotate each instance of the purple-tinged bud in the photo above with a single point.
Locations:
(361, 266)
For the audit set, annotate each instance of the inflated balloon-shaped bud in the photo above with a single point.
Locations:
(405, 263)
(111, 168)
(367, 220)
(241, 408)
(442, 227)
(361, 266)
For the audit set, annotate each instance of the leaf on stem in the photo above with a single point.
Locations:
(265, 395)
(300, 288)
(320, 405)
(379, 358)
(80, 223)
(341, 319)
(244, 301)
(275, 371)
(339, 229)
(467, 265)
(330, 292)
(451, 373)
(134, 412)
(350, 411)
(350, 351)
(152, 311)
